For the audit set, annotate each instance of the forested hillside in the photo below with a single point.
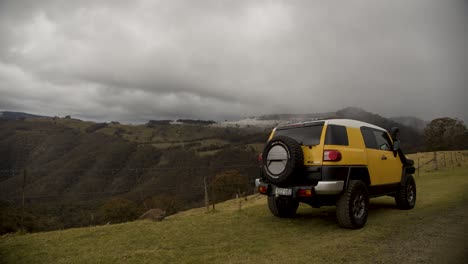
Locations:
(73, 171)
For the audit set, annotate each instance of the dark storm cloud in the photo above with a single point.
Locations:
(136, 60)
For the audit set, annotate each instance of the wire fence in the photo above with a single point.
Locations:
(437, 160)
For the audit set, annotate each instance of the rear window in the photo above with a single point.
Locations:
(305, 135)
(336, 135)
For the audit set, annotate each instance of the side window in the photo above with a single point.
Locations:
(376, 139)
(336, 135)
(383, 141)
(369, 138)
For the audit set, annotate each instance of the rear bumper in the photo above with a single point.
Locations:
(322, 187)
(329, 187)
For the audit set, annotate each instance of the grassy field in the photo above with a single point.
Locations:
(433, 232)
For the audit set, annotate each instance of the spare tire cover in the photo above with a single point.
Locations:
(282, 159)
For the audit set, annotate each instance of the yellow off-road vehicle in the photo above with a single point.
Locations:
(338, 162)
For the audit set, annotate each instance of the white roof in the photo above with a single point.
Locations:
(341, 122)
(351, 123)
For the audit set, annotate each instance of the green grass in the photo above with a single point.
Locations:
(434, 232)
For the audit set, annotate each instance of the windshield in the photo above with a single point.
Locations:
(305, 135)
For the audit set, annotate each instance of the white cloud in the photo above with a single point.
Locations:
(136, 60)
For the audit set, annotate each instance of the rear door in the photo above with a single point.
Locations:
(311, 140)
(384, 167)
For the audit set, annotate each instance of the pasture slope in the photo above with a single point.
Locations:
(433, 232)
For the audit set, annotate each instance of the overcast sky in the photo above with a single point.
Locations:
(137, 60)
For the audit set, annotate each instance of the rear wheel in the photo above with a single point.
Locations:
(405, 198)
(284, 207)
(352, 207)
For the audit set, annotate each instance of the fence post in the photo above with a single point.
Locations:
(418, 166)
(435, 160)
(451, 159)
(213, 196)
(22, 199)
(207, 205)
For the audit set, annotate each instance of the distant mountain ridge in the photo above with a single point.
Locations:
(19, 115)
(411, 128)
(265, 120)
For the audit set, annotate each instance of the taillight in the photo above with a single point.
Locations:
(304, 193)
(331, 155)
(262, 189)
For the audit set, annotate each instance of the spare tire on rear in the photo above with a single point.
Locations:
(282, 160)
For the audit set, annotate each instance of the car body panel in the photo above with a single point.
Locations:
(384, 166)
(353, 154)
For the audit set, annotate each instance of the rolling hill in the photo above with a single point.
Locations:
(71, 168)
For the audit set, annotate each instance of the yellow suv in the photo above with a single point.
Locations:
(338, 162)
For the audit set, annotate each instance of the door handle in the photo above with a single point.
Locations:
(383, 157)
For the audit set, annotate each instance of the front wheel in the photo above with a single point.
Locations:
(284, 207)
(405, 198)
(352, 207)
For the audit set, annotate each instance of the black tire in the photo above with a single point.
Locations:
(405, 197)
(280, 169)
(283, 207)
(352, 207)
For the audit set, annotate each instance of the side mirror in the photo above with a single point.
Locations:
(396, 145)
(394, 131)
